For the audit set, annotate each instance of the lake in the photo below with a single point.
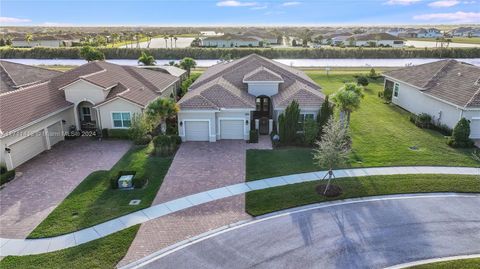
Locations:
(290, 62)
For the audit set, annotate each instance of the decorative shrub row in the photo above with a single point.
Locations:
(5, 175)
(117, 133)
(166, 145)
(253, 136)
(425, 121)
(218, 53)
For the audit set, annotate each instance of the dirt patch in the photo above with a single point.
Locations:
(333, 190)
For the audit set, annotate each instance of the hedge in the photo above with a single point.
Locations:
(273, 53)
(119, 134)
(7, 176)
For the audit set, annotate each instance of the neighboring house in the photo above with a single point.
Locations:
(14, 76)
(447, 90)
(429, 33)
(230, 41)
(96, 95)
(231, 98)
(336, 39)
(396, 31)
(180, 73)
(268, 38)
(466, 32)
(37, 41)
(376, 40)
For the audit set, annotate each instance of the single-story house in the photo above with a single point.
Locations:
(37, 41)
(429, 33)
(466, 32)
(231, 98)
(447, 90)
(180, 73)
(377, 39)
(96, 95)
(230, 41)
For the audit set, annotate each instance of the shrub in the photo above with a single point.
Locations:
(91, 54)
(460, 135)
(6, 175)
(362, 80)
(288, 121)
(118, 133)
(139, 182)
(310, 131)
(422, 120)
(387, 94)
(253, 136)
(326, 111)
(442, 128)
(373, 74)
(105, 133)
(138, 131)
(166, 145)
(144, 140)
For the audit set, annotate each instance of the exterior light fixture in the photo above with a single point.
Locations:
(8, 150)
(181, 123)
(246, 122)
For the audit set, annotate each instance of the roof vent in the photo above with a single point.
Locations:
(459, 74)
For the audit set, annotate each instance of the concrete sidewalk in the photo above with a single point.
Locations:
(20, 247)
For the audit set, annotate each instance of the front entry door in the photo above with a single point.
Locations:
(263, 126)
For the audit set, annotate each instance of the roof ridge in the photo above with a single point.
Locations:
(477, 93)
(8, 74)
(24, 88)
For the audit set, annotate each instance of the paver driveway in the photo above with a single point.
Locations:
(48, 178)
(197, 167)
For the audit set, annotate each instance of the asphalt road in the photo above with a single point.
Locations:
(373, 234)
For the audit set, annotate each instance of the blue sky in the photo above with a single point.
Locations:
(237, 12)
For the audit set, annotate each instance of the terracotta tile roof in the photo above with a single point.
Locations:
(262, 74)
(27, 104)
(375, 36)
(225, 78)
(14, 75)
(304, 95)
(449, 80)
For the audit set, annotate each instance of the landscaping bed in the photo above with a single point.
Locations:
(273, 199)
(382, 135)
(94, 201)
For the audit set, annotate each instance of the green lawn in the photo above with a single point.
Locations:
(457, 264)
(273, 199)
(381, 134)
(102, 253)
(93, 201)
(465, 40)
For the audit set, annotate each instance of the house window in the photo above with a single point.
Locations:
(396, 89)
(121, 119)
(303, 118)
(86, 115)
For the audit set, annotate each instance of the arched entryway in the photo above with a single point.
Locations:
(87, 116)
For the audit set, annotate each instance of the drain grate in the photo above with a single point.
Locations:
(134, 202)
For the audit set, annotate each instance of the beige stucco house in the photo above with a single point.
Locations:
(229, 99)
(447, 90)
(98, 95)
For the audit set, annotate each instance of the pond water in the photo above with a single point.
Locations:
(291, 62)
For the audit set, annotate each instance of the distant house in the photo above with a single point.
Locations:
(336, 39)
(396, 31)
(447, 90)
(466, 32)
(37, 41)
(429, 33)
(230, 41)
(210, 33)
(376, 40)
(269, 38)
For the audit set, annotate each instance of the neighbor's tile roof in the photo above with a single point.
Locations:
(449, 80)
(375, 36)
(27, 104)
(14, 75)
(227, 81)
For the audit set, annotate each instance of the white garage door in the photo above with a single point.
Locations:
(196, 131)
(27, 148)
(55, 133)
(231, 129)
(475, 128)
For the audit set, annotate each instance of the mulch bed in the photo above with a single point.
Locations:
(333, 190)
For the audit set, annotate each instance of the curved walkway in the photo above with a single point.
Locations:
(372, 232)
(20, 247)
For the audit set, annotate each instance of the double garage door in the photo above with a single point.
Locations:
(475, 128)
(199, 130)
(32, 145)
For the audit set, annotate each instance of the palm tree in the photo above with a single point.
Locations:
(347, 100)
(28, 38)
(149, 38)
(159, 110)
(114, 38)
(166, 41)
(146, 59)
(175, 38)
(171, 41)
(187, 64)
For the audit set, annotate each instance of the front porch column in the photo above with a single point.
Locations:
(257, 124)
(270, 126)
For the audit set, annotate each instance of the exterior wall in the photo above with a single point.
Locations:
(230, 43)
(118, 105)
(417, 102)
(197, 115)
(38, 43)
(170, 91)
(267, 89)
(429, 35)
(390, 43)
(84, 91)
(245, 115)
(66, 115)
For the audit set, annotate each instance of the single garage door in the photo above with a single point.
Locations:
(231, 129)
(55, 133)
(475, 128)
(27, 148)
(196, 131)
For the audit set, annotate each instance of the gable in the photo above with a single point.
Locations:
(82, 90)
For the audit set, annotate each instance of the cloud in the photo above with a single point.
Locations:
(268, 13)
(401, 2)
(444, 3)
(13, 20)
(455, 17)
(233, 3)
(289, 4)
(259, 7)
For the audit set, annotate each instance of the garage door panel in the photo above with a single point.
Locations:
(55, 133)
(27, 148)
(231, 129)
(475, 128)
(196, 131)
